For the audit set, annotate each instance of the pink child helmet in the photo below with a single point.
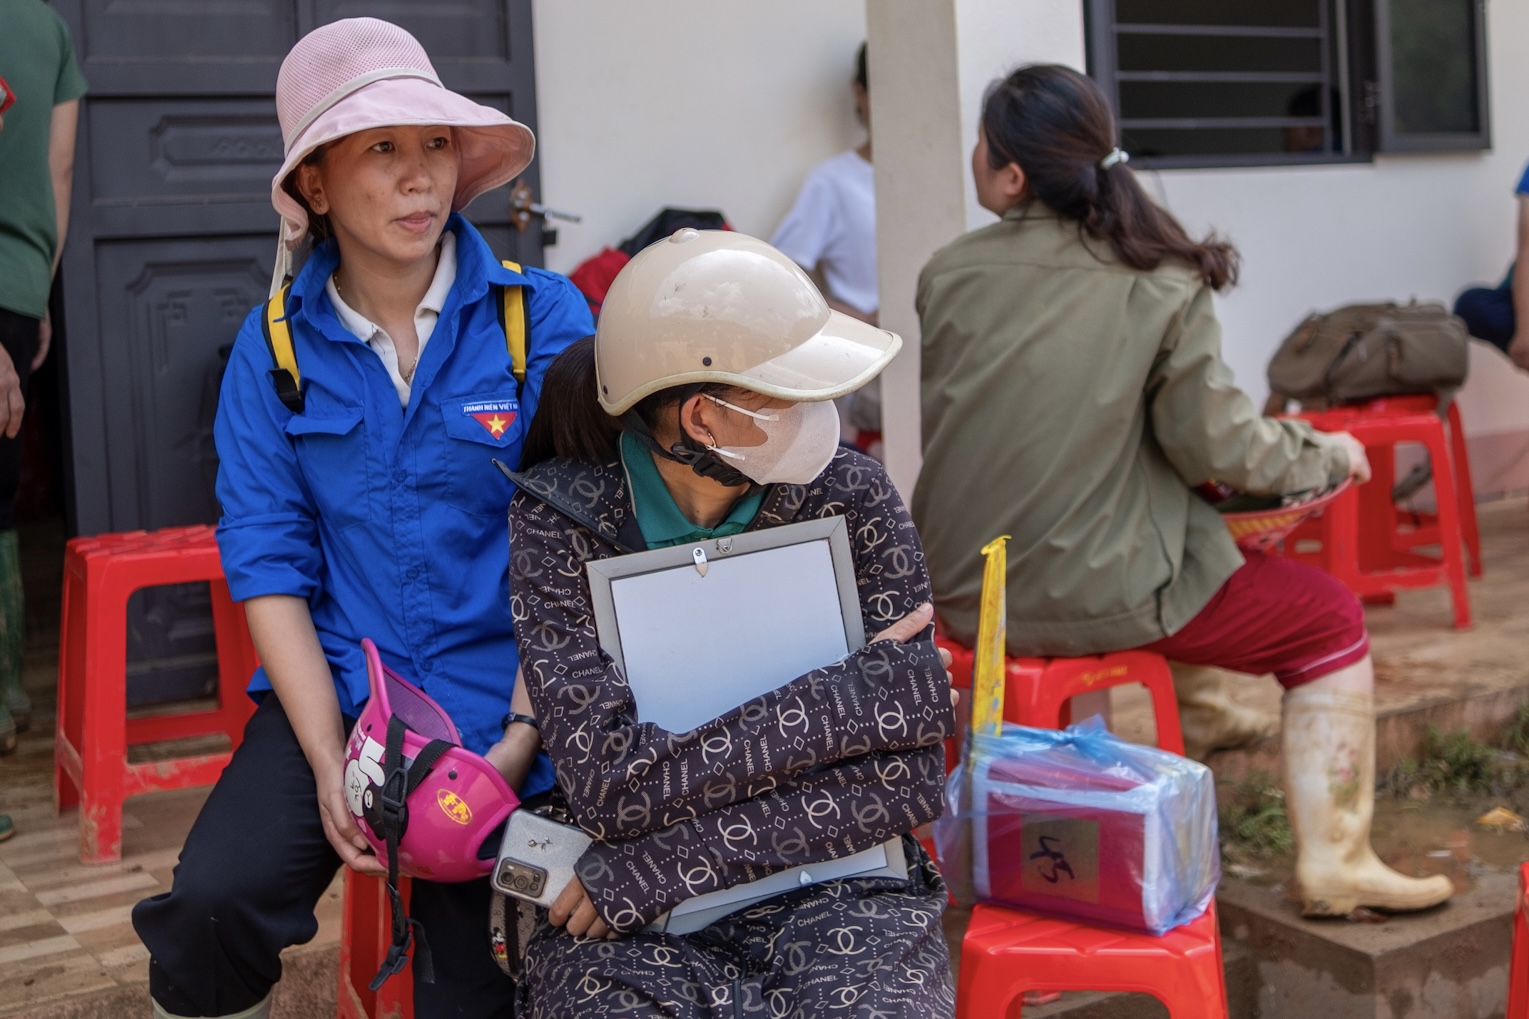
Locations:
(454, 798)
(424, 802)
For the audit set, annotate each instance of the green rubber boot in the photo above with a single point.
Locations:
(7, 827)
(12, 633)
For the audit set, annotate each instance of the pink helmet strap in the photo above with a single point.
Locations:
(398, 784)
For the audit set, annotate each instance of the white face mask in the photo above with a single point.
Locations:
(800, 440)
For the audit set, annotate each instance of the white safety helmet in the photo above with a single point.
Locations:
(718, 306)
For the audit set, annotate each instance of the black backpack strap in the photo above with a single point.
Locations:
(512, 319)
(278, 340)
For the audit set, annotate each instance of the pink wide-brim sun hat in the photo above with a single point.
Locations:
(363, 73)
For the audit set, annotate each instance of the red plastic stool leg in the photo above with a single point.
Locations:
(1460, 461)
(365, 933)
(987, 989)
(71, 651)
(103, 729)
(1340, 547)
(1377, 509)
(1451, 541)
(1518, 969)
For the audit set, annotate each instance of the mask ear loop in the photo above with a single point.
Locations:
(716, 450)
(756, 415)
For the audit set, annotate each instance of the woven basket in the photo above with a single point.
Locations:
(1263, 530)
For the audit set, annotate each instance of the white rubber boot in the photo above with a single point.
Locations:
(1329, 743)
(260, 1011)
(1210, 719)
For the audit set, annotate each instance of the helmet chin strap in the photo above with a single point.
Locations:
(687, 451)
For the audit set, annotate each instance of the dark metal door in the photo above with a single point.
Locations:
(171, 240)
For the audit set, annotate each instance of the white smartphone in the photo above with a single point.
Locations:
(537, 857)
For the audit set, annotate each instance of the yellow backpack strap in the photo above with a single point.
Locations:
(278, 338)
(512, 319)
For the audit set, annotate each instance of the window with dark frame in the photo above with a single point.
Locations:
(1264, 82)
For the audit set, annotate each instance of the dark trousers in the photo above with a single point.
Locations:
(1488, 312)
(18, 334)
(249, 877)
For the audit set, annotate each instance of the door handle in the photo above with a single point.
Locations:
(523, 206)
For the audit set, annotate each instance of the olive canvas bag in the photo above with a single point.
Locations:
(1362, 351)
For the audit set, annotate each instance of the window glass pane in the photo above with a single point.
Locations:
(1201, 79)
(1273, 13)
(1223, 99)
(1433, 66)
(1207, 142)
(1217, 53)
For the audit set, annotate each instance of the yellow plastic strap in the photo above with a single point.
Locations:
(988, 667)
(280, 336)
(513, 314)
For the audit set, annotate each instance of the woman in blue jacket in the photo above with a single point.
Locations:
(359, 500)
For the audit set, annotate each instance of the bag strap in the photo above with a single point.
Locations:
(289, 381)
(398, 785)
(278, 339)
(512, 319)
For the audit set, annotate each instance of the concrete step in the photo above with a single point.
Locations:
(1446, 963)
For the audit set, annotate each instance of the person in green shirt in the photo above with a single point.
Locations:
(36, 166)
(1073, 397)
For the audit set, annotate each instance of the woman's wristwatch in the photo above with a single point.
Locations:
(516, 716)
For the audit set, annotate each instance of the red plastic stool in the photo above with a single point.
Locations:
(90, 765)
(1370, 546)
(1518, 970)
(365, 934)
(1007, 952)
(1036, 690)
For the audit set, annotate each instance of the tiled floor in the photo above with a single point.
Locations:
(64, 927)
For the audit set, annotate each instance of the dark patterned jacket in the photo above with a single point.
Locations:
(830, 764)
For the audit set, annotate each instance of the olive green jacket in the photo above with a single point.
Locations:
(1072, 403)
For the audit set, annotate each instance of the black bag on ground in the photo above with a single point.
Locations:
(1362, 351)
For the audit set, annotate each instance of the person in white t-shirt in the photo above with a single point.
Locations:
(831, 229)
(831, 233)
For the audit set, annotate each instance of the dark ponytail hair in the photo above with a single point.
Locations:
(570, 424)
(1056, 125)
(569, 421)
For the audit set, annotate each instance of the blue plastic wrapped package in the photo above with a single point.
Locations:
(1079, 824)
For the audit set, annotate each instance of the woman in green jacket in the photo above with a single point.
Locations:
(1073, 397)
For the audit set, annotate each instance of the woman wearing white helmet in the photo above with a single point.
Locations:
(356, 427)
(703, 410)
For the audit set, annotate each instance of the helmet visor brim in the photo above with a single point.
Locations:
(844, 355)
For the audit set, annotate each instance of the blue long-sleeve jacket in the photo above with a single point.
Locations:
(391, 522)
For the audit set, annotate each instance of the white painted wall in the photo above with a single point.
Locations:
(694, 103)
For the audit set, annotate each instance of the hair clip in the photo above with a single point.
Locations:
(1115, 156)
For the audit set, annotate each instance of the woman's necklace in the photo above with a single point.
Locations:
(407, 376)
